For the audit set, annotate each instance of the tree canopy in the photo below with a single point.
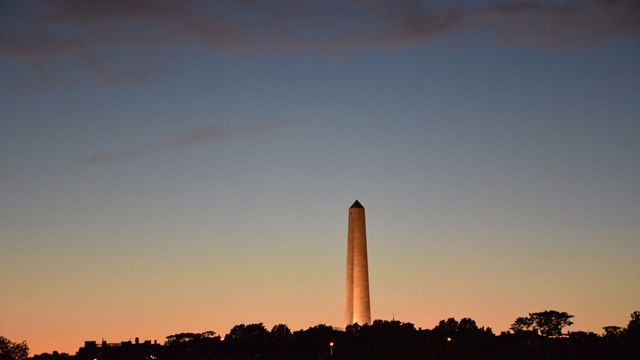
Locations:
(381, 340)
(522, 324)
(634, 323)
(548, 322)
(10, 350)
(189, 337)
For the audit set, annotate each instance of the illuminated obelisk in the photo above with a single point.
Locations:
(357, 305)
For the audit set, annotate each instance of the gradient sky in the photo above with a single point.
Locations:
(173, 166)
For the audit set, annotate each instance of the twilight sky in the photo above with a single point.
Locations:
(172, 166)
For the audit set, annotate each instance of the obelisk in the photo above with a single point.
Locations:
(357, 305)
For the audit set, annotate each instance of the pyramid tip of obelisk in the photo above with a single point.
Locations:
(356, 205)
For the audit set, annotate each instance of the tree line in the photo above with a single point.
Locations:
(536, 336)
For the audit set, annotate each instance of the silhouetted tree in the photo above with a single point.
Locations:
(461, 340)
(632, 335)
(389, 339)
(189, 337)
(248, 340)
(447, 327)
(381, 340)
(245, 333)
(634, 323)
(548, 322)
(10, 350)
(522, 324)
(353, 328)
(313, 342)
(614, 331)
(53, 356)
(281, 342)
(281, 332)
(193, 345)
(551, 322)
(465, 326)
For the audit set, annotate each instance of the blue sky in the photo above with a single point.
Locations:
(169, 167)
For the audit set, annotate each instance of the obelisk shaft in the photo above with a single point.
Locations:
(357, 303)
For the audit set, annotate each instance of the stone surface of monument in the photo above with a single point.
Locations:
(357, 303)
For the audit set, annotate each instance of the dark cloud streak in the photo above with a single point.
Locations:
(86, 32)
(111, 156)
(508, 8)
(565, 26)
(212, 133)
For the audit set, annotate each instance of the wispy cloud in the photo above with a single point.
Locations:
(89, 32)
(565, 26)
(212, 133)
(110, 156)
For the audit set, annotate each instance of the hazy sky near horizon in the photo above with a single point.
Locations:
(187, 166)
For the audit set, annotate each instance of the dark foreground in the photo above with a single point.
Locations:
(384, 340)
